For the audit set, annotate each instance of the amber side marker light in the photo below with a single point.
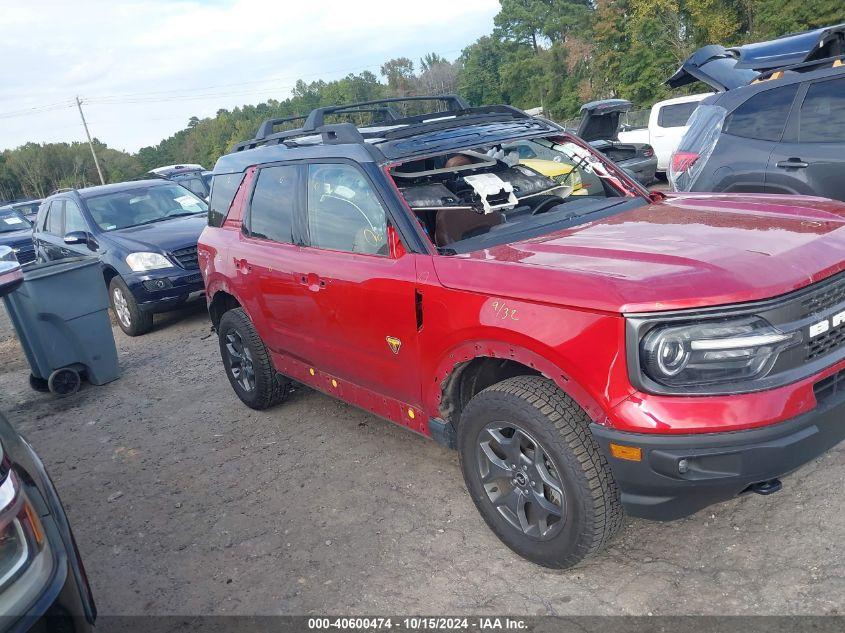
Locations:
(631, 453)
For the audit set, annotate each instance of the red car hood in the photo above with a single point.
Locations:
(691, 250)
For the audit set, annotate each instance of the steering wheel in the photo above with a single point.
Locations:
(544, 205)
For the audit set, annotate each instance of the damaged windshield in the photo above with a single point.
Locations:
(486, 195)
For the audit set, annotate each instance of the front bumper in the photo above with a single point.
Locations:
(719, 466)
(166, 289)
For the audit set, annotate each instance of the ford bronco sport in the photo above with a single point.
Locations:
(587, 347)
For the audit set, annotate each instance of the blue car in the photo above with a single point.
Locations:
(144, 232)
(16, 233)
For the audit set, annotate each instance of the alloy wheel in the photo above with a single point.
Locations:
(520, 480)
(240, 361)
(121, 307)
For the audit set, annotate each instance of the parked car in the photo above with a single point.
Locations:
(667, 123)
(145, 232)
(27, 208)
(584, 353)
(16, 233)
(43, 586)
(770, 128)
(195, 178)
(600, 125)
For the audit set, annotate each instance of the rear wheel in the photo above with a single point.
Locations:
(247, 361)
(131, 319)
(535, 472)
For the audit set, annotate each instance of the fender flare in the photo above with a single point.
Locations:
(468, 350)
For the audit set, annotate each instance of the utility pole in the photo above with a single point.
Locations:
(90, 144)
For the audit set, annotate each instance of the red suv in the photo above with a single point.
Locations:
(587, 347)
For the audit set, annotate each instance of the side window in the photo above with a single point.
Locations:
(763, 116)
(73, 218)
(344, 213)
(53, 224)
(273, 203)
(676, 115)
(823, 113)
(223, 190)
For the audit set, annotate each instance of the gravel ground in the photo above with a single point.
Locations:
(184, 501)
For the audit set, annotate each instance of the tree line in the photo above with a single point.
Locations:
(556, 54)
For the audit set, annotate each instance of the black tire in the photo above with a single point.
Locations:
(64, 382)
(131, 319)
(265, 388)
(588, 499)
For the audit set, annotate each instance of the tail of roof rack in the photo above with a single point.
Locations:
(63, 190)
(314, 124)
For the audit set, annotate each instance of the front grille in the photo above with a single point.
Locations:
(825, 343)
(830, 386)
(187, 257)
(25, 255)
(829, 295)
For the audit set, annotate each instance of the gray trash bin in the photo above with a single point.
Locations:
(60, 313)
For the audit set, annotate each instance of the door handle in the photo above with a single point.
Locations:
(312, 281)
(792, 163)
(243, 266)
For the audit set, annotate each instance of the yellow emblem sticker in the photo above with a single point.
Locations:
(394, 344)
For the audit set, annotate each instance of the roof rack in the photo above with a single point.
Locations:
(63, 190)
(814, 64)
(314, 124)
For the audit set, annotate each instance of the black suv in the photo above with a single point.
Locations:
(777, 122)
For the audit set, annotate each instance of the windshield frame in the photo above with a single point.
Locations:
(183, 191)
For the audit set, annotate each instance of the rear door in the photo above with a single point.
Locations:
(268, 259)
(362, 295)
(811, 158)
(750, 134)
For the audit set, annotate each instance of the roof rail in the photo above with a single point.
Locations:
(63, 190)
(314, 124)
(266, 127)
(317, 116)
(814, 64)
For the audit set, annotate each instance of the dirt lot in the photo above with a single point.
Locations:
(185, 501)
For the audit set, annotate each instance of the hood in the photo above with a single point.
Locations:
(17, 238)
(168, 235)
(688, 251)
(600, 119)
(729, 68)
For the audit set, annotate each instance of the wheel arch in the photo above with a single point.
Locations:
(475, 365)
(220, 303)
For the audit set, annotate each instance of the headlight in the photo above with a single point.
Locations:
(720, 352)
(21, 533)
(139, 262)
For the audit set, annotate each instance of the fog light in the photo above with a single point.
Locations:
(155, 285)
(629, 453)
(683, 466)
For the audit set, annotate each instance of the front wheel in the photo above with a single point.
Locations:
(131, 319)
(535, 472)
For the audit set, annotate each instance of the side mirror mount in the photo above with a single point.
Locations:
(75, 238)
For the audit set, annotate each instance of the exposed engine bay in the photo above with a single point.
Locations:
(472, 192)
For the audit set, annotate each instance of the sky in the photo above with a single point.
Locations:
(142, 68)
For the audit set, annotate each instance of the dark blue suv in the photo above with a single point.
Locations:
(144, 232)
(16, 233)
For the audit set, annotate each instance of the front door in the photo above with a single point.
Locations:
(75, 222)
(812, 161)
(361, 291)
